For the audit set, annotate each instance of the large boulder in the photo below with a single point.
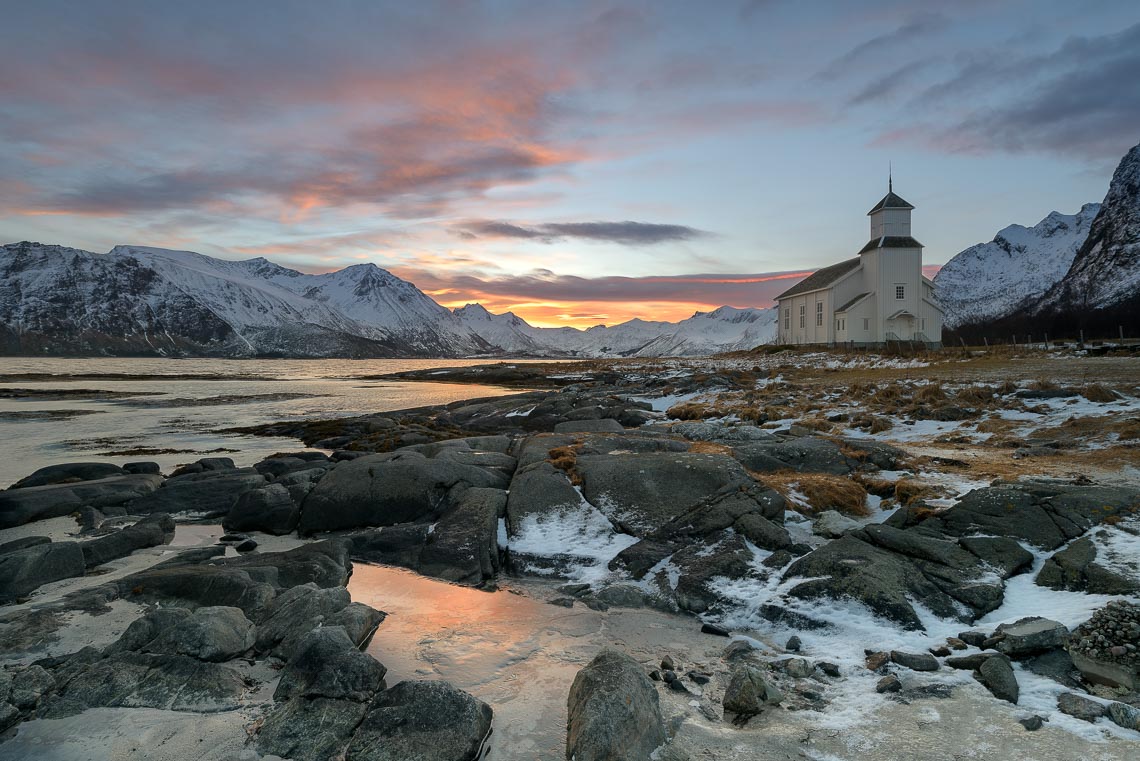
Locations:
(33, 503)
(293, 613)
(316, 728)
(326, 664)
(642, 492)
(614, 712)
(720, 556)
(1030, 636)
(387, 489)
(270, 509)
(463, 546)
(68, 473)
(215, 633)
(538, 490)
(996, 674)
(422, 721)
(170, 682)
(151, 531)
(749, 691)
(208, 493)
(24, 570)
(1074, 569)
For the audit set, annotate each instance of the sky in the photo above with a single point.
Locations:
(577, 163)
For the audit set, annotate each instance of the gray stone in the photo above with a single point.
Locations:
(807, 454)
(152, 531)
(326, 664)
(1080, 707)
(538, 490)
(971, 662)
(210, 493)
(798, 668)
(422, 721)
(22, 542)
(304, 728)
(1074, 569)
(20, 506)
(613, 711)
(889, 683)
(1124, 715)
(384, 490)
(464, 547)
(915, 661)
(293, 613)
(214, 634)
(9, 716)
(143, 468)
(1032, 635)
(28, 686)
(25, 570)
(170, 682)
(996, 674)
(67, 473)
(832, 524)
(605, 425)
(721, 555)
(269, 509)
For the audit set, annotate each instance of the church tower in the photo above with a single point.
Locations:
(891, 216)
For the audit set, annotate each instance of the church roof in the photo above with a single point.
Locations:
(852, 302)
(890, 201)
(890, 241)
(822, 278)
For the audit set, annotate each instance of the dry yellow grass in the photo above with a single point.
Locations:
(689, 411)
(710, 447)
(566, 460)
(1095, 392)
(908, 492)
(823, 491)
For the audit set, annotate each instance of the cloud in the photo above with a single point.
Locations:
(1081, 99)
(922, 25)
(626, 233)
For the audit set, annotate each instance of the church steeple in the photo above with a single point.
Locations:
(890, 217)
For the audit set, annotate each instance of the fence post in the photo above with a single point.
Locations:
(986, 341)
(1121, 328)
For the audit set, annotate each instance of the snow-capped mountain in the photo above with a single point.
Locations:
(1105, 273)
(992, 280)
(143, 300)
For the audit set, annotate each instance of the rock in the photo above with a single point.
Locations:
(956, 644)
(762, 532)
(626, 596)
(889, 683)
(1073, 569)
(269, 509)
(722, 555)
(667, 485)
(246, 545)
(638, 558)
(606, 425)
(538, 489)
(667, 663)
(1056, 665)
(210, 493)
(915, 661)
(1124, 715)
(213, 634)
(152, 531)
(1003, 553)
(996, 674)
(798, 668)
(9, 716)
(974, 638)
(1080, 707)
(876, 661)
(1031, 723)
(422, 721)
(1106, 648)
(22, 542)
(717, 631)
(28, 686)
(463, 547)
(170, 682)
(304, 728)
(1032, 635)
(293, 613)
(829, 668)
(24, 570)
(971, 662)
(68, 473)
(748, 692)
(833, 524)
(387, 489)
(33, 503)
(613, 711)
(794, 644)
(143, 468)
(699, 677)
(807, 453)
(359, 622)
(326, 664)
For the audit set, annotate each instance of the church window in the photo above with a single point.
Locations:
(866, 323)
(802, 310)
(819, 313)
(900, 291)
(787, 318)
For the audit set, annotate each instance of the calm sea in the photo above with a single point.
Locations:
(184, 404)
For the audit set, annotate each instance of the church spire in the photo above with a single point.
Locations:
(890, 178)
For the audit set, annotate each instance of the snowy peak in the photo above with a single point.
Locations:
(990, 280)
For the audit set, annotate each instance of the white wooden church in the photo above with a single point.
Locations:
(877, 298)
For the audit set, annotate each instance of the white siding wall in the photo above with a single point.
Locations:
(890, 222)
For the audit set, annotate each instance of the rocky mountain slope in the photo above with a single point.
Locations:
(992, 280)
(138, 300)
(1064, 275)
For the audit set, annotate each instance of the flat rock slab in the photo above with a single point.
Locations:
(24, 570)
(422, 721)
(20, 506)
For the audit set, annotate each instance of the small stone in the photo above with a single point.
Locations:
(956, 644)
(828, 668)
(677, 686)
(889, 683)
(876, 661)
(669, 676)
(998, 677)
(1031, 723)
(974, 638)
(798, 668)
(655, 675)
(247, 545)
(737, 649)
(991, 642)
(1124, 715)
(563, 602)
(940, 652)
(794, 644)
(915, 661)
(667, 663)
(1080, 707)
(696, 677)
(716, 630)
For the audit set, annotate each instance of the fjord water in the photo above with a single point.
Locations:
(166, 404)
